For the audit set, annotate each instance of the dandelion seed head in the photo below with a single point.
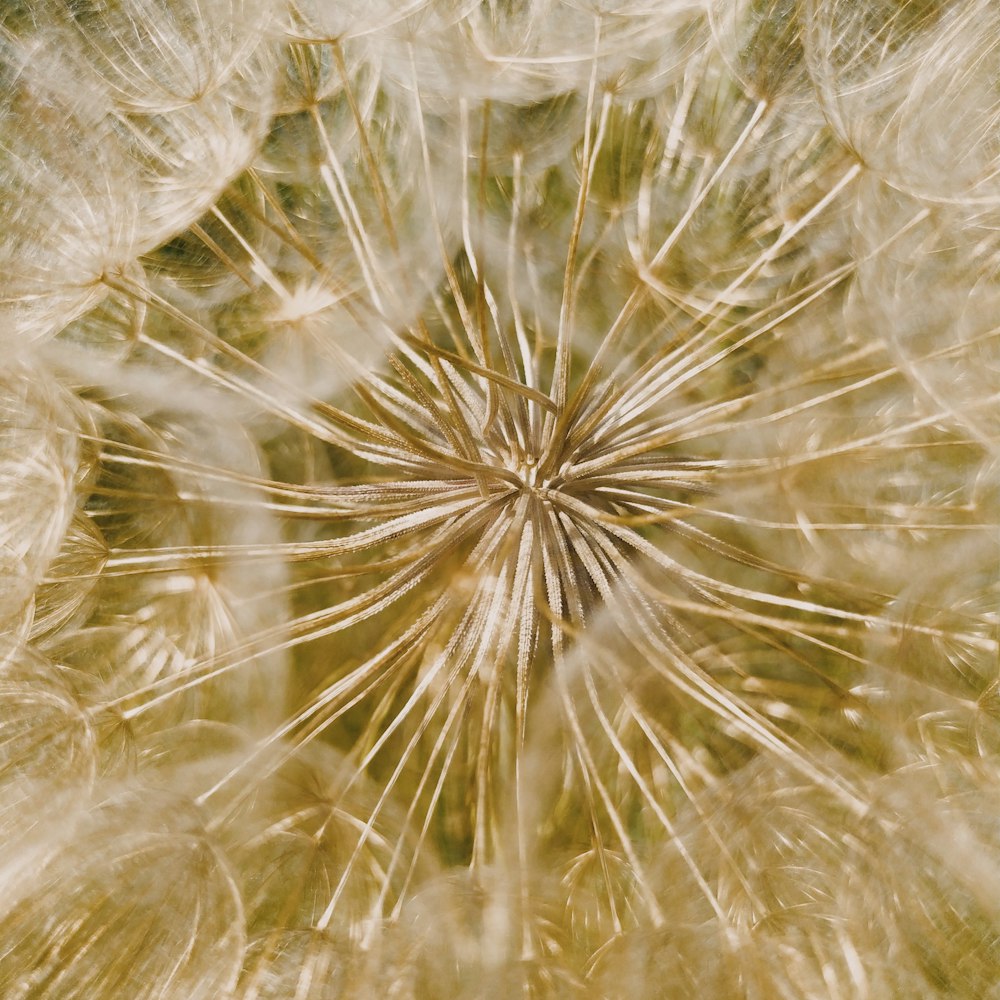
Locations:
(50, 744)
(887, 78)
(493, 513)
(943, 341)
(74, 208)
(190, 939)
(41, 463)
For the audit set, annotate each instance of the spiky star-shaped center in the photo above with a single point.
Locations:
(541, 492)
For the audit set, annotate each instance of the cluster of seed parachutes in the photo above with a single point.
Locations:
(499, 499)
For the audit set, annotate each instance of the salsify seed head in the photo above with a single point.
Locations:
(498, 499)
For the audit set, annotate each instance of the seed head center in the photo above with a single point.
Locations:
(530, 477)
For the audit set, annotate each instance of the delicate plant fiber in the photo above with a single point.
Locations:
(499, 499)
